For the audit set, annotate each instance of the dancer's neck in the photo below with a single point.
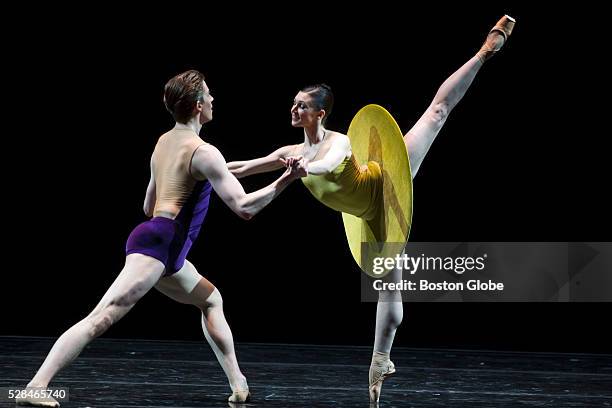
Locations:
(315, 135)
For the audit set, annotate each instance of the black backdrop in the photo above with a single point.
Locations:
(508, 166)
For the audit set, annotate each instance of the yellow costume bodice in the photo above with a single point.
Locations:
(349, 188)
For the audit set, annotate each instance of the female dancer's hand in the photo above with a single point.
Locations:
(295, 166)
(289, 160)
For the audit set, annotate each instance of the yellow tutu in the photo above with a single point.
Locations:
(375, 136)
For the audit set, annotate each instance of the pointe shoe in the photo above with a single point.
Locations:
(497, 37)
(240, 396)
(380, 369)
(38, 402)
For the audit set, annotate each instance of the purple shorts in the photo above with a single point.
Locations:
(164, 239)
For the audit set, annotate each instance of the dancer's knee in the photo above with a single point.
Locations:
(438, 112)
(213, 300)
(105, 315)
(390, 296)
(100, 322)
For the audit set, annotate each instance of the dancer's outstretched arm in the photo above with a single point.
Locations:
(271, 162)
(208, 162)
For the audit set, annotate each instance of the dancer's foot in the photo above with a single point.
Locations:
(240, 396)
(497, 38)
(240, 391)
(37, 402)
(380, 369)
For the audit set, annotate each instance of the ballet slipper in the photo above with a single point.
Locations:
(38, 402)
(240, 396)
(380, 369)
(497, 38)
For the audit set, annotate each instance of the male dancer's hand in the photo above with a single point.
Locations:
(301, 167)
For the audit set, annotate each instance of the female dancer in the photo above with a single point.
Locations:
(184, 171)
(337, 180)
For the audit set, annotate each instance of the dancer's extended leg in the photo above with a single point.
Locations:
(418, 140)
(389, 314)
(189, 287)
(138, 276)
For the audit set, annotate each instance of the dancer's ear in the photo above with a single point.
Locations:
(321, 114)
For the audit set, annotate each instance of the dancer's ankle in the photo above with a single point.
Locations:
(377, 356)
(33, 384)
(239, 383)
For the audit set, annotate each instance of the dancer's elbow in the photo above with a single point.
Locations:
(245, 212)
(246, 215)
(148, 210)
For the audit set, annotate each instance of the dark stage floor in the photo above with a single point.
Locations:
(136, 373)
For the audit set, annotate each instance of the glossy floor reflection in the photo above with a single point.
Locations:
(136, 373)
